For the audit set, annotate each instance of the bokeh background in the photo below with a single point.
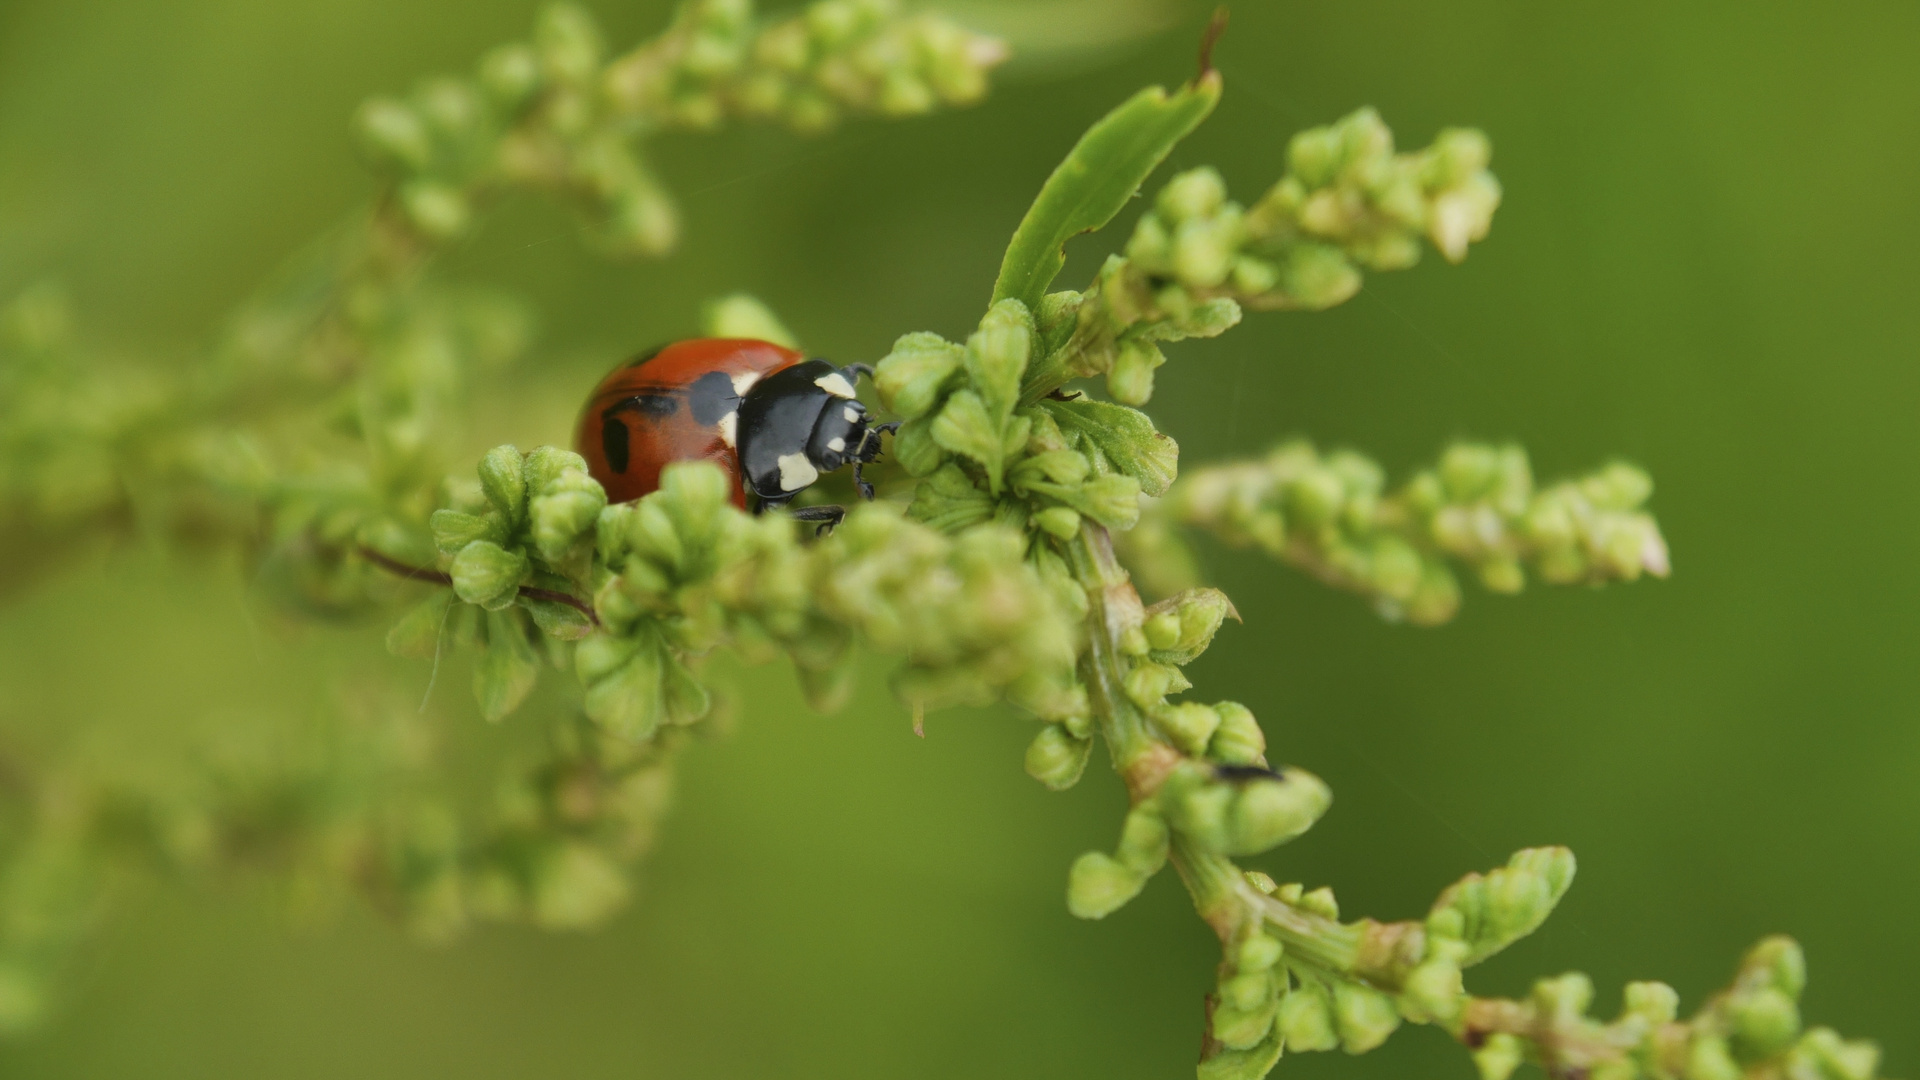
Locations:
(1705, 263)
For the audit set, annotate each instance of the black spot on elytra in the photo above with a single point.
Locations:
(613, 440)
(711, 397)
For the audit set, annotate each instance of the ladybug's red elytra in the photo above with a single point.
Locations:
(771, 418)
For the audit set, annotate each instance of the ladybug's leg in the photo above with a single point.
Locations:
(854, 371)
(866, 489)
(827, 516)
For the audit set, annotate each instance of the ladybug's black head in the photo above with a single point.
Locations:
(798, 423)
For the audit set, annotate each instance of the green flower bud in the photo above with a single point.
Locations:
(1196, 193)
(1150, 246)
(510, 74)
(1511, 902)
(1147, 683)
(1306, 1019)
(1765, 1022)
(1257, 952)
(914, 377)
(576, 886)
(1056, 758)
(1243, 1029)
(1162, 629)
(562, 517)
(1130, 380)
(487, 574)
(569, 43)
(1097, 886)
(996, 355)
(1059, 521)
(1317, 276)
(1432, 993)
(1363, 1016)
(1320, 901)
(438, 210)
(1238, 740)
(1781, 962)
(1655, 1003)
(1187, 725)
(1197, 615)
(503, 479)
(1709, 1059)
(1269, 812)
(1498, 1056)
(1143, 841)
(1204, 251)
(393, 131)
(1247, 991)
(1566, 997)
(1822, 1053)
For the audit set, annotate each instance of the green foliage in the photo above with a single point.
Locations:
(308, 442)
(1329, 515)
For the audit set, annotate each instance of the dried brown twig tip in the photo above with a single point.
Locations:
(1215, 27)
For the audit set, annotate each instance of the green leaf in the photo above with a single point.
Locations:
(628, 702)
(966, 428)
(417, 634)
(1105, 168)
(508, 669)
(1124, 435)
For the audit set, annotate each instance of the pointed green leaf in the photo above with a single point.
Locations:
(508, 669)
(1105, 168)
(1124, 435)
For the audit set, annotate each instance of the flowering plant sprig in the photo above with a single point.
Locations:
(994, 572)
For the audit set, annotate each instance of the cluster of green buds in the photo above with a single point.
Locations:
(517, 548)
(60, 423)
(835, 58)
(1297, 978)
(986, 454)
(1329, 514)
(556, 113)
(1196, 257)
(685, 571)
(1347, 201)
(1752, 1028)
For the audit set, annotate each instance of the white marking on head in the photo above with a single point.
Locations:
(835, 383)
(744, 382)
(837, 444)
(728, 427)
(796, 472)
(852, 414)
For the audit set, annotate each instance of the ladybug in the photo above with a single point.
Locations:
(773, 419)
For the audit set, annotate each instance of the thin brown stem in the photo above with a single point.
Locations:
(440, 577)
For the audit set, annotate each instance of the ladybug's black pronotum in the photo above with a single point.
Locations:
(774, 420)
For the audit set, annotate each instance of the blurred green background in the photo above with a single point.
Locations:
(1705, 263)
